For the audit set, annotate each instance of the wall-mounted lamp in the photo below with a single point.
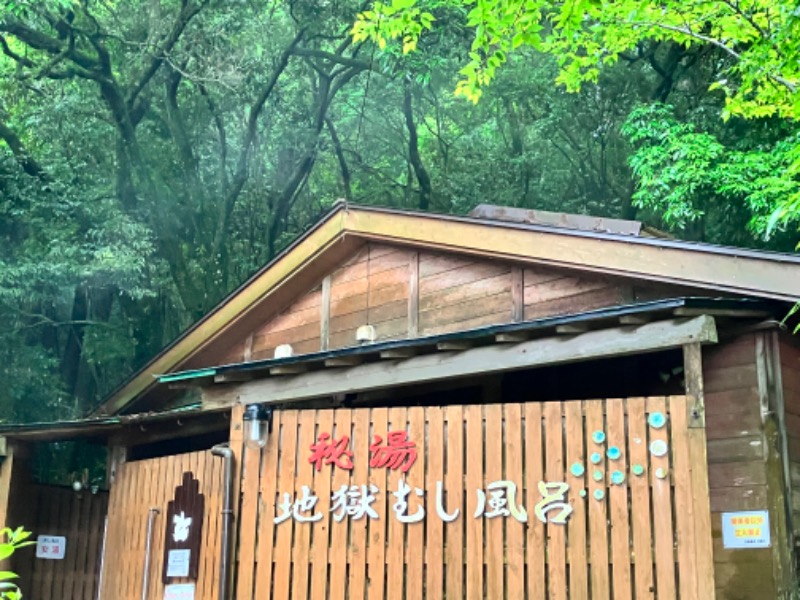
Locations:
(257, 423)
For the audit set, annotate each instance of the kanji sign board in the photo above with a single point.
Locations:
(748, 529)
(52, 547)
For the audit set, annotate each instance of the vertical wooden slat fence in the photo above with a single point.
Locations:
(80, 517)
(140, 486)
(641, 537)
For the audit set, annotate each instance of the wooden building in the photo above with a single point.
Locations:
(513, 404)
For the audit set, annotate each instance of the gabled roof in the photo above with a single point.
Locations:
(346, 227)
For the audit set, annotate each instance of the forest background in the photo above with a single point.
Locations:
(155, 153)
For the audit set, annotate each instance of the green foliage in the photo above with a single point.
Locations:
(14, 539)
(681, 171)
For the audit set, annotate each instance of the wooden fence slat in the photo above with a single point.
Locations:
(320, 531)
(376, 553)
(598, 524)
(493, 453)
(435, 559)
(415, 479)
(357, 551)
(554, 472)
(515, 531)
(473, 415)
(618, 501)
(268, 508)
(455, 498)
(641, 534)
(536, 541)
(576, 526)
(395, 535)
(337, 555)
(662, 508)
(684, 502)
(302, 531)
(283, 541)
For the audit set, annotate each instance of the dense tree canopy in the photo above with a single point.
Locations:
(154, 153)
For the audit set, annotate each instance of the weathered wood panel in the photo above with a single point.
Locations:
(737, 472)
(371, 532)
(150, 484)
(407, 293)
(80, 517)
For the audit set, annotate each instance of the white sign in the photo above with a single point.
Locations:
(180, 591)
(178, 563)
(748, 529)
(52, 547)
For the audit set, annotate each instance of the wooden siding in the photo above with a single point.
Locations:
(737, 463)
(789, 352)
(641, 539)
(403, 293)
(150, 484)
(80, 518)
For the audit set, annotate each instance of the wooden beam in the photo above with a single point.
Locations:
(233, 377)
(455, 345)
(511, 338)
(517, 294)
(325, 314)
(288, 369)
(398, 353)
(634, 319)
(488, 359)
(693, 374)
(413, 295)
(572, 328)
(344, 361)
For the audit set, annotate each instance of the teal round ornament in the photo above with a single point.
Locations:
(617, 477)
(582, 493)
(599, 494)
(613, 453)
(596, 457)
(637, 469)
(598, 476)
(598, 437)
(577, 469)
(657, 420)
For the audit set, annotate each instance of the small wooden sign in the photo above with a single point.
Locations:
(184, 529)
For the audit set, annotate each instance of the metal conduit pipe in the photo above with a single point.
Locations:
(224, 451)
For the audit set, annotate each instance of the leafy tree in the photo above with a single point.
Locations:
(13, 540)
(758, 42)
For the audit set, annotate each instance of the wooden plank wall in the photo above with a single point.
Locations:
(146, 484)
(80, 517)
(636, 540)
(407, 293)
(737, 463)
(789, 352)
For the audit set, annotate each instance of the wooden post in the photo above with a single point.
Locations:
(698, 461)
(770, 392)
(325, 314)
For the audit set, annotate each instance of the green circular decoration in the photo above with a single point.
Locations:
(596, 457)
(617, 477)
(661, 473)
(613, 453)
(657, 420)
(658, 447)
(598, 476)
(637, 469)
(598, 437)
(582, 493)
(599, 494)
(577, 469)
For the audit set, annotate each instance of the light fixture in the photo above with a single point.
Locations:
(257, 421)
